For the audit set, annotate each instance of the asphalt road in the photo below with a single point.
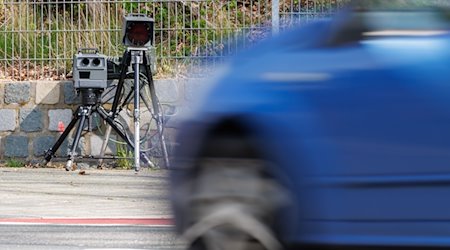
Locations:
(79, 237)
(95, 209)
(55, 193)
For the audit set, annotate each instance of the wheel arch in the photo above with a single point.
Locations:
(229, 137)
(233, 136)
(239, 137)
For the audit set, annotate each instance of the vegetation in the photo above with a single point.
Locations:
(43, 35)
(124, 161)
(14, 163)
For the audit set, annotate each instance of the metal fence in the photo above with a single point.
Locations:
(39, 37)
(298, 12)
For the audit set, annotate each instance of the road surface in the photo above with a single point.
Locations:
(82, 237)
(96, 209)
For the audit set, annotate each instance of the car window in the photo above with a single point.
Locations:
(398, 4)
(402, 14)
(405, 20)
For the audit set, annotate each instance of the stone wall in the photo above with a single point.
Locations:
(30, 113)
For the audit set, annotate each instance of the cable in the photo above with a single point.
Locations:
(146, 98)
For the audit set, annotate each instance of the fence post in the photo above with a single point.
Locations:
(275, 17)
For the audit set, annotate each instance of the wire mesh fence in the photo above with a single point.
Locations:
(299, 12)
(38, 38)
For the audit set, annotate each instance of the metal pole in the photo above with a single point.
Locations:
(136, 59)
(275, 17)
(136, 115)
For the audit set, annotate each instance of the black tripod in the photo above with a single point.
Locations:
(91, 104)
(136, 57)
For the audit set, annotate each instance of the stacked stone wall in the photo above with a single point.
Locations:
(31, 114)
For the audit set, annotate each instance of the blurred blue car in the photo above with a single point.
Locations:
(334, 134)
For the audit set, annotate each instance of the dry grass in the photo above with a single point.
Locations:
(37, 40)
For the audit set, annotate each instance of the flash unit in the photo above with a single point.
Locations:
(137, 30)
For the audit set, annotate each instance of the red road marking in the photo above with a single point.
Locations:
(92, 221)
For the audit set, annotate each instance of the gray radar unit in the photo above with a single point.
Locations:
(90, 70)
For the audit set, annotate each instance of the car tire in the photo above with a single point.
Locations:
(232, 204)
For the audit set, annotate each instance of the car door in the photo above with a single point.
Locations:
(381, 167)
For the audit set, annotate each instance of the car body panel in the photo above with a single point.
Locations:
(359, 133)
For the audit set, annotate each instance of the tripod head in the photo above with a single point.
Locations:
(90, 96)
(114, 64)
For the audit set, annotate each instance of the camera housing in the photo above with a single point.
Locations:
(137, 30)
(90, 69)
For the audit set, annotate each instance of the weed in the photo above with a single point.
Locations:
(124, 162)
(14, 163)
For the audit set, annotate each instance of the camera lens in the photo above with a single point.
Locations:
(85, 61)
(138, 33)
(96, 62)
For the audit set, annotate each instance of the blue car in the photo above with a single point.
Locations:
(333, 134)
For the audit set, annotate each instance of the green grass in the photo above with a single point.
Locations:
(14, 163)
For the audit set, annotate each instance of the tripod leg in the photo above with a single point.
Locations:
(122, 135)
(76, 140)
(104, 145)
(51, 152)
(156, 109)
(163, 144)
(123, 73)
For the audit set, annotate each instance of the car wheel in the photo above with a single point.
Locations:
(232, 205)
